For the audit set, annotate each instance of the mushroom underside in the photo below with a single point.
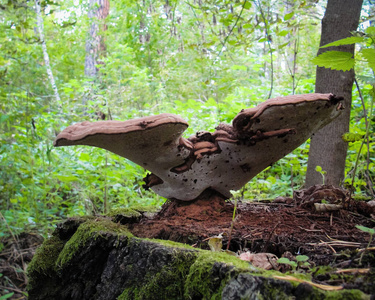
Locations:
(224, 160)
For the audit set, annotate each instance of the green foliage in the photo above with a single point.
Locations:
(203, 60)
(335, 60)
(371, 231)
(301, 261)
(339, 60)
(346, 41)
(320, 170)
(361, 143)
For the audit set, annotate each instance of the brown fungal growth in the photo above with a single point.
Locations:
(222, 161)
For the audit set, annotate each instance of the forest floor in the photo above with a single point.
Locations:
(285, 227)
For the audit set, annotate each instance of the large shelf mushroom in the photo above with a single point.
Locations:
(224, 160)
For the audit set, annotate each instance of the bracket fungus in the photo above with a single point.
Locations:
(224, 160)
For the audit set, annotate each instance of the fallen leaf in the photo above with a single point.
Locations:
(265, 261)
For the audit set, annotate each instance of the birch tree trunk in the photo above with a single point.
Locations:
(39, 20)
(98, 11)
(327, 149)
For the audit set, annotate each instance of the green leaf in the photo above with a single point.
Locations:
(288, 16)
(282, 45)
(284, 260)
(318, 168)
(283, 33)
(6, 296)
(346, 41)
(335, 60)
(245, 26)
(369, 55)
(67, 178)
(351, 137)
(237, 67)
(365, 229)
(3, 118)
(84, 157)
(247, 5)
(302, 258)
(370, 31)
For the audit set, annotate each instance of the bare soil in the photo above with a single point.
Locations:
(282, 225)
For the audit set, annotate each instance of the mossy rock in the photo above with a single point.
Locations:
(96, 258)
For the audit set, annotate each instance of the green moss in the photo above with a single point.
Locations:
(45, 256)
(146, 209)
(91, 229)
(172, 244)
(167, 282)
(127, 212)
(201, 281)
(129, 293)
(344, 294)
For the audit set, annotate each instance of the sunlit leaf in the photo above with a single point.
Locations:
(247, 5)
(237, 67)
(335, 60)
(352, 137)
(289, 16)
(346, 41)
(283, 33)
(67, 178)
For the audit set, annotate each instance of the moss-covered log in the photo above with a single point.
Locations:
(95, 258)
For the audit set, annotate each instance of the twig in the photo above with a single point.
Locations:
(231, 30)
(11, 289)
(270, 236)
(355, 270)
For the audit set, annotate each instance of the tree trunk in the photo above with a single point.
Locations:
(99, 10)
(327, 149)
(45, 52)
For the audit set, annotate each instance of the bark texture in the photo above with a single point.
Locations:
(327, 149)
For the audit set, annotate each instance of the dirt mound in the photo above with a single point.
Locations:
(319, 222)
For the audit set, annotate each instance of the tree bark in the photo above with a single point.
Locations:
(39, 20)
(99, 10)
(327, 149)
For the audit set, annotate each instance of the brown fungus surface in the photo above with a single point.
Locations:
(224, 160)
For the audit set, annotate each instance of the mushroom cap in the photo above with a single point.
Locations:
(151, 142)
(224, 160)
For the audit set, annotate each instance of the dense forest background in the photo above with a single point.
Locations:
(63, 62)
